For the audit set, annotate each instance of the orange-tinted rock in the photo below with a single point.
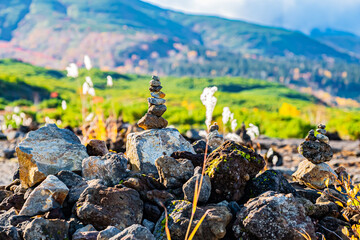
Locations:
(157, 110)
(150, 121)
(47, 151)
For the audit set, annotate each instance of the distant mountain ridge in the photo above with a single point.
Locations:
(344, 41)
(55, 32)
(138, 37)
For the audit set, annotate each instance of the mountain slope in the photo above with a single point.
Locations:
(344, 41)
(55, 32)
(137, 37)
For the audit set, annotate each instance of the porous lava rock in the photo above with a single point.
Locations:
(270, 180)
(230, 167)
(316, 152)
(273, 216)
(174, 172)
(104, 206)
(212, 228)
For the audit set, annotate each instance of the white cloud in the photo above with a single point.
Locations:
(301, 15)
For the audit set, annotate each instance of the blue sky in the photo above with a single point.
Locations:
(302, 15)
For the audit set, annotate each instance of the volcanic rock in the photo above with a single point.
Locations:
(273, 216)
(212, 228)
(174, 172)
(314, 175)
(230, 167)
(157, 110)
(103, 206)
(96, 148)
(189, 187)
(270, 180)
(41, 228)
(74, 182)
(316, 152)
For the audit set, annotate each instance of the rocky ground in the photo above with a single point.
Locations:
(65, 190)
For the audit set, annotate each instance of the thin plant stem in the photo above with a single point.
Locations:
(196, 194)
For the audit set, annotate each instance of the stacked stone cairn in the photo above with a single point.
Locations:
(215, 139)
(153, 118)
(316, 149)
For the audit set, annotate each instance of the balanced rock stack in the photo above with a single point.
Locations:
(316, 149)
(153, 118)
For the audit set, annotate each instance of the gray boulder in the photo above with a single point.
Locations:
(145, 147)
(50, 194)
(189, 187)
(111, 168)
(47, 151)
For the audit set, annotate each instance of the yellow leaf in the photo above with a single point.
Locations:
(338, 188)
(198, 225)
(327, 182)
(339, 203)
(345, 231)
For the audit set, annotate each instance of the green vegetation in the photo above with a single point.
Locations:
(277, 110)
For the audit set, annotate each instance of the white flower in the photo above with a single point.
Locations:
(253, 131)
(63, 105)
(209, 101)
(17, 119)
(231, 116)
(233, 137)
(87, 62)
(85, 88)
(72, 70)
(92, 91)
(88, 80)
(16, 109)
(233, 125)
(89, 117)
(226, 115)
(109, 81)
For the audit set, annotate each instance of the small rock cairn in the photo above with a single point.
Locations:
(316, 149)
(153, 118)
(215, 139)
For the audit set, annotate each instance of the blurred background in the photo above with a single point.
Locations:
(281, 65)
